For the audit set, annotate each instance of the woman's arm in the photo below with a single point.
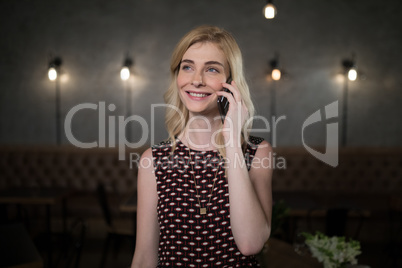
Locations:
(146, 248)
(250, 198)
(250, 194)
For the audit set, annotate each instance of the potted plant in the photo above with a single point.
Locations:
(333, 252)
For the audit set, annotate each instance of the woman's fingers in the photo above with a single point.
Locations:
(233, 88)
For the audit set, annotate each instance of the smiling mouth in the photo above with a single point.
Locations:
(198, 95)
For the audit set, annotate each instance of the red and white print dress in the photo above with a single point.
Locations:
(187, 238)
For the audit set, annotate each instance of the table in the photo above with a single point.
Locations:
(130, 205)
(331, 205)
(331, 200)
(39, 196)
(280, 254)
(17, 248)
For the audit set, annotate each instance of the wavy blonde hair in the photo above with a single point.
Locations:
(177, 114)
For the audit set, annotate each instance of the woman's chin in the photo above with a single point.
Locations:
(205, 112)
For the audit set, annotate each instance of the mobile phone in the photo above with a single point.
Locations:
(223, 103)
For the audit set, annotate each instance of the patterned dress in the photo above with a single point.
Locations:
(187, 238)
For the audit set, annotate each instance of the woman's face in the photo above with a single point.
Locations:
(202, 71)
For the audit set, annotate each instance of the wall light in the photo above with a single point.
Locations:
(54, 68)
(350, 72)
(350, 68)
(53, 74)
(125, 74)
(269, 10)
(276, 73)
(125, 70)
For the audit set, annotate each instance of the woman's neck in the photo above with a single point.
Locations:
(200, 133)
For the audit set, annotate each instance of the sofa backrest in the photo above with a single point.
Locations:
(362, 170)
(67, 166)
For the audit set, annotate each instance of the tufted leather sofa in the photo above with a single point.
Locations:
(360, 170)
(364, 183)
(69, 167)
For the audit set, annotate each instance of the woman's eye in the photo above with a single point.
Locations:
(214, 70)
(185, 67)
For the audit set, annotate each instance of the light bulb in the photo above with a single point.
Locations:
(269, 11)
(52, 74)
(276, 74)
(352, 74)
(125, 73)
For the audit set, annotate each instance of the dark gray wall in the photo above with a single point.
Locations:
(312, 37)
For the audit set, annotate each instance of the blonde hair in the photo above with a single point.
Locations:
(177, 114)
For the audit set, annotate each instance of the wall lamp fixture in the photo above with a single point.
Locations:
(269, 10)
(125, 70)
(350, 71)
(54, 75)
(54, 68)
(125, 74)
(276, 73)
(350, 68)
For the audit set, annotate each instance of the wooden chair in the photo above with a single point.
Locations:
(394, 248)
(115, 231)
(17, 247)
(72, 244)
(336, 220)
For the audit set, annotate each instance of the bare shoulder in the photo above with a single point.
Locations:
(147, 153)
(145, 166)
(264, 150)
(262, 161)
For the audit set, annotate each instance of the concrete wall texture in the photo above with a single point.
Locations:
(311, 37)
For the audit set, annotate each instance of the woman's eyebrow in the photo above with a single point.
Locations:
(214, 62)
(206, 63)
(188, 61)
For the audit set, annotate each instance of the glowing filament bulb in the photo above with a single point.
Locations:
(352, 74)
(52, 74)
(276, 74)
(269, 11)
(125, 73)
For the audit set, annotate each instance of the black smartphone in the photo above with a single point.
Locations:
(223, 103)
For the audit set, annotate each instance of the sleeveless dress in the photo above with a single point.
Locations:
(187, 238)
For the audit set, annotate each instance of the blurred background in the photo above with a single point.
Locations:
(85, 98)
(310, 39)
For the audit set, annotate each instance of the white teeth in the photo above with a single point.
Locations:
(199, 95)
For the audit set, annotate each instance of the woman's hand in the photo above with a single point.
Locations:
(236, 115)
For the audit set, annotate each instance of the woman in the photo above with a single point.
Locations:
(206, 200)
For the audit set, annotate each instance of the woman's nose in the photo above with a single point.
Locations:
(198, 80)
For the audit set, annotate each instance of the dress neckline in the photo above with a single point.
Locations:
(194, 150)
